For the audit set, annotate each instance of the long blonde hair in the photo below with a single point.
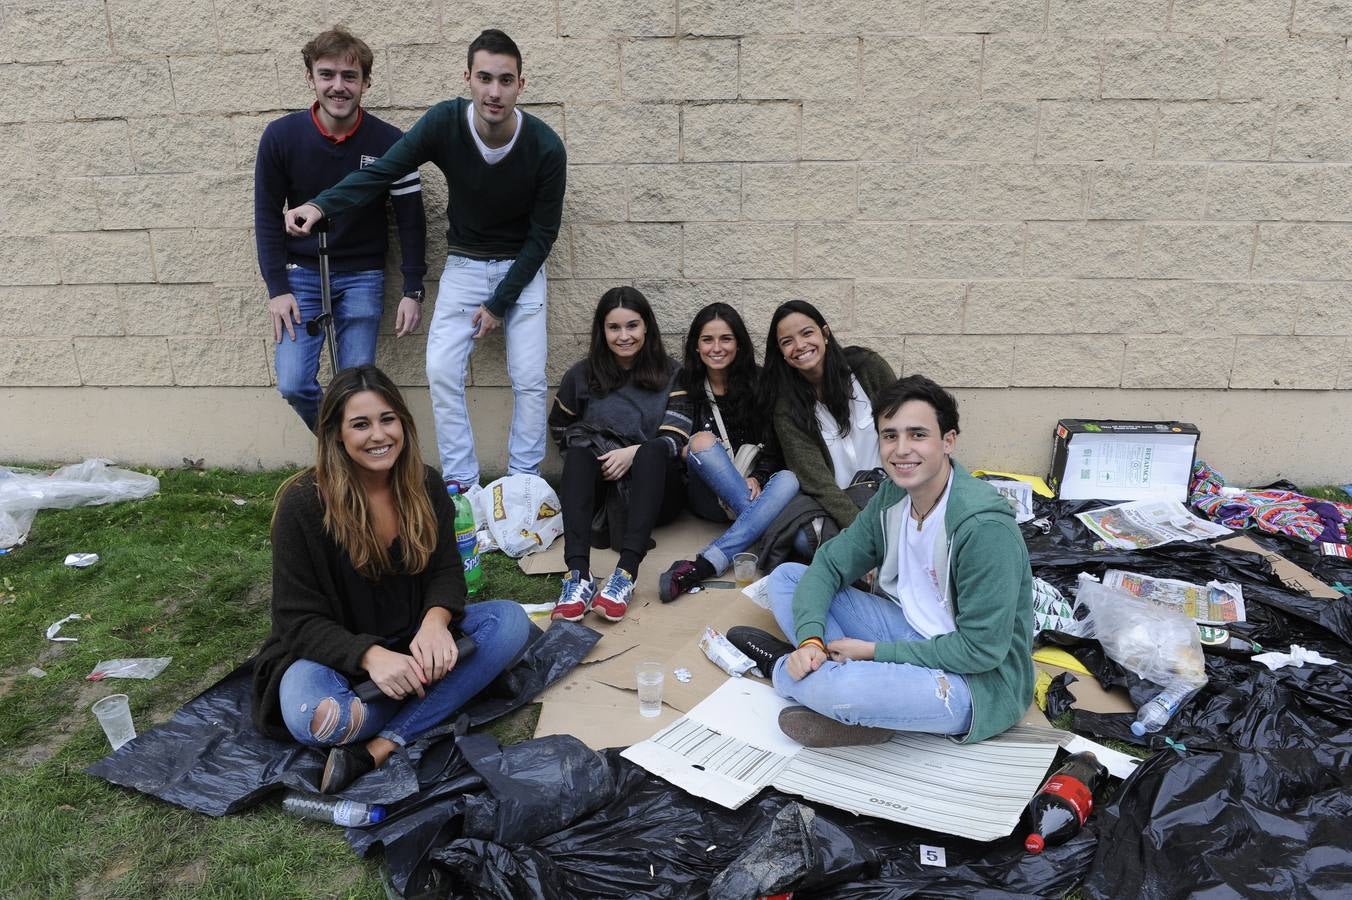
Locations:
(347, 515)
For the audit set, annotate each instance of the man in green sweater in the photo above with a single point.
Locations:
(943, 644)
(505, 174)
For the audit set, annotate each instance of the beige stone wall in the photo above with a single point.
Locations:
(1036, 200)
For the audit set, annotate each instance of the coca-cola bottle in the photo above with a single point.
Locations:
(1059, 809)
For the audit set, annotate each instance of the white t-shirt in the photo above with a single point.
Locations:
(922, 597)
(492, 155)
(856, 450)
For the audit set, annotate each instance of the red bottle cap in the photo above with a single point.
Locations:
(1034, 843)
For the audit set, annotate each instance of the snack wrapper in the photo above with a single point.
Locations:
(722, 654)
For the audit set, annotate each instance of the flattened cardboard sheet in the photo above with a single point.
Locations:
(729, 747)
(1292, 575)
(1089, 694)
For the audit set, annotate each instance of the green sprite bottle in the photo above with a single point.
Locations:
(466, 539)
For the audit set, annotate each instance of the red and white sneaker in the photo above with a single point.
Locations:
(612, 601)
(575, 598)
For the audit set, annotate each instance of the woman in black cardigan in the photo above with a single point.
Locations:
(367, 584)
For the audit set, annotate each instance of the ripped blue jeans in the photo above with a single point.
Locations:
(899, 696)
(500, 630)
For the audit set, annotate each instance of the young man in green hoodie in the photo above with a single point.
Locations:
(943, 642)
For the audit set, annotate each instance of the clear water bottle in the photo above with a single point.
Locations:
(466, 539)
(348, 813)
(1152, 716)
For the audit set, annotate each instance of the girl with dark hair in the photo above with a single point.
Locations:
(367, 584)
(604, 421)
(821, 399)
(713, 410)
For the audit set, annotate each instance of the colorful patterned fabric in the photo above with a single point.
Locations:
(1274, 511)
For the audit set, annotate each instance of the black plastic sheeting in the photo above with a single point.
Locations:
(209, 757)
(634, 835)
(1248, 793)
(1229, 824)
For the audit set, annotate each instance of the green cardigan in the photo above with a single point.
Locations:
(805, 452)
(984, 563)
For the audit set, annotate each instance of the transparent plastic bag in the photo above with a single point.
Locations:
(142, 667)
(90, 483)
(1155, 642)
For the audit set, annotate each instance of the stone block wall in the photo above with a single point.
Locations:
(1048, 194)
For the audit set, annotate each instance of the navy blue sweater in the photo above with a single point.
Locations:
(509, 210)
(296, 162)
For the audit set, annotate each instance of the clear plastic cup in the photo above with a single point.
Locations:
(744, 568)
(650, 677)
(114, 714)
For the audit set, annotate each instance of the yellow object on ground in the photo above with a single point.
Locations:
(1044, 681)
(1039, 486)
(1055, 656)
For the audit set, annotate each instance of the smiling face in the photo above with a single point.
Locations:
(803, 344)
(372, 433)
(495, 82)
(717, 345)
(625, 333)
(338, 85)
(914, 453)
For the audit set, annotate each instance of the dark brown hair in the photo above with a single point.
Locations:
(338, 43)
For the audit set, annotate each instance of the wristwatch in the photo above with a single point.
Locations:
(417, 294)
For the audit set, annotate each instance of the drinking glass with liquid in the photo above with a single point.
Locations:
(650, 676)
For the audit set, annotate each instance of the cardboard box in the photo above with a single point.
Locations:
(1105, 459)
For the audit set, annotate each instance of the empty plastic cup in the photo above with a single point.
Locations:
(114, 714)
(650, 677)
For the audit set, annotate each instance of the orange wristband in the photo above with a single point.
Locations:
(812, 640)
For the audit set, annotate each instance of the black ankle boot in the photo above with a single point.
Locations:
(344, 766)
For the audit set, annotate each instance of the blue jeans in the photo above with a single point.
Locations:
(499, 628)
(357, 300)
(465, 284)
(899, 696)
(714, 468)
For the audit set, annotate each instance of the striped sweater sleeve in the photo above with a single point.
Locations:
(678, 422)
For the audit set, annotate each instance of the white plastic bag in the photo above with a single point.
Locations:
(521, 512)
(90, 483)
(1155, 642)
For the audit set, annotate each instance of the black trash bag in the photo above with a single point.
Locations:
(534, 787)
(799, 851)
(1229, 823)
(654, 840)
(1244, 706)
(209, 757)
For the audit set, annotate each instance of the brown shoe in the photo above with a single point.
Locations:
(812, 729)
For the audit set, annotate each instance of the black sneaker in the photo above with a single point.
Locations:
(763, 647)
(812, 729)
(677, 580)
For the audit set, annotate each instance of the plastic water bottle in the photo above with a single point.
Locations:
(348, 813)
(1059, 809)
(466, 539)
(1151, 717)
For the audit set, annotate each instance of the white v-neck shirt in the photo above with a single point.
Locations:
(492, 155)
(856, 450)
(919, 592)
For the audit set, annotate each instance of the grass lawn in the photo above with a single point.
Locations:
(184, 574)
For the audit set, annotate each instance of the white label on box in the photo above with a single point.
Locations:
(1128, 467)
(933, 856)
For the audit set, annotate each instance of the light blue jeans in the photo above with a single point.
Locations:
(357, 300)
(899, 696)
(714, 467)
(499, 628)
(465, 284)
